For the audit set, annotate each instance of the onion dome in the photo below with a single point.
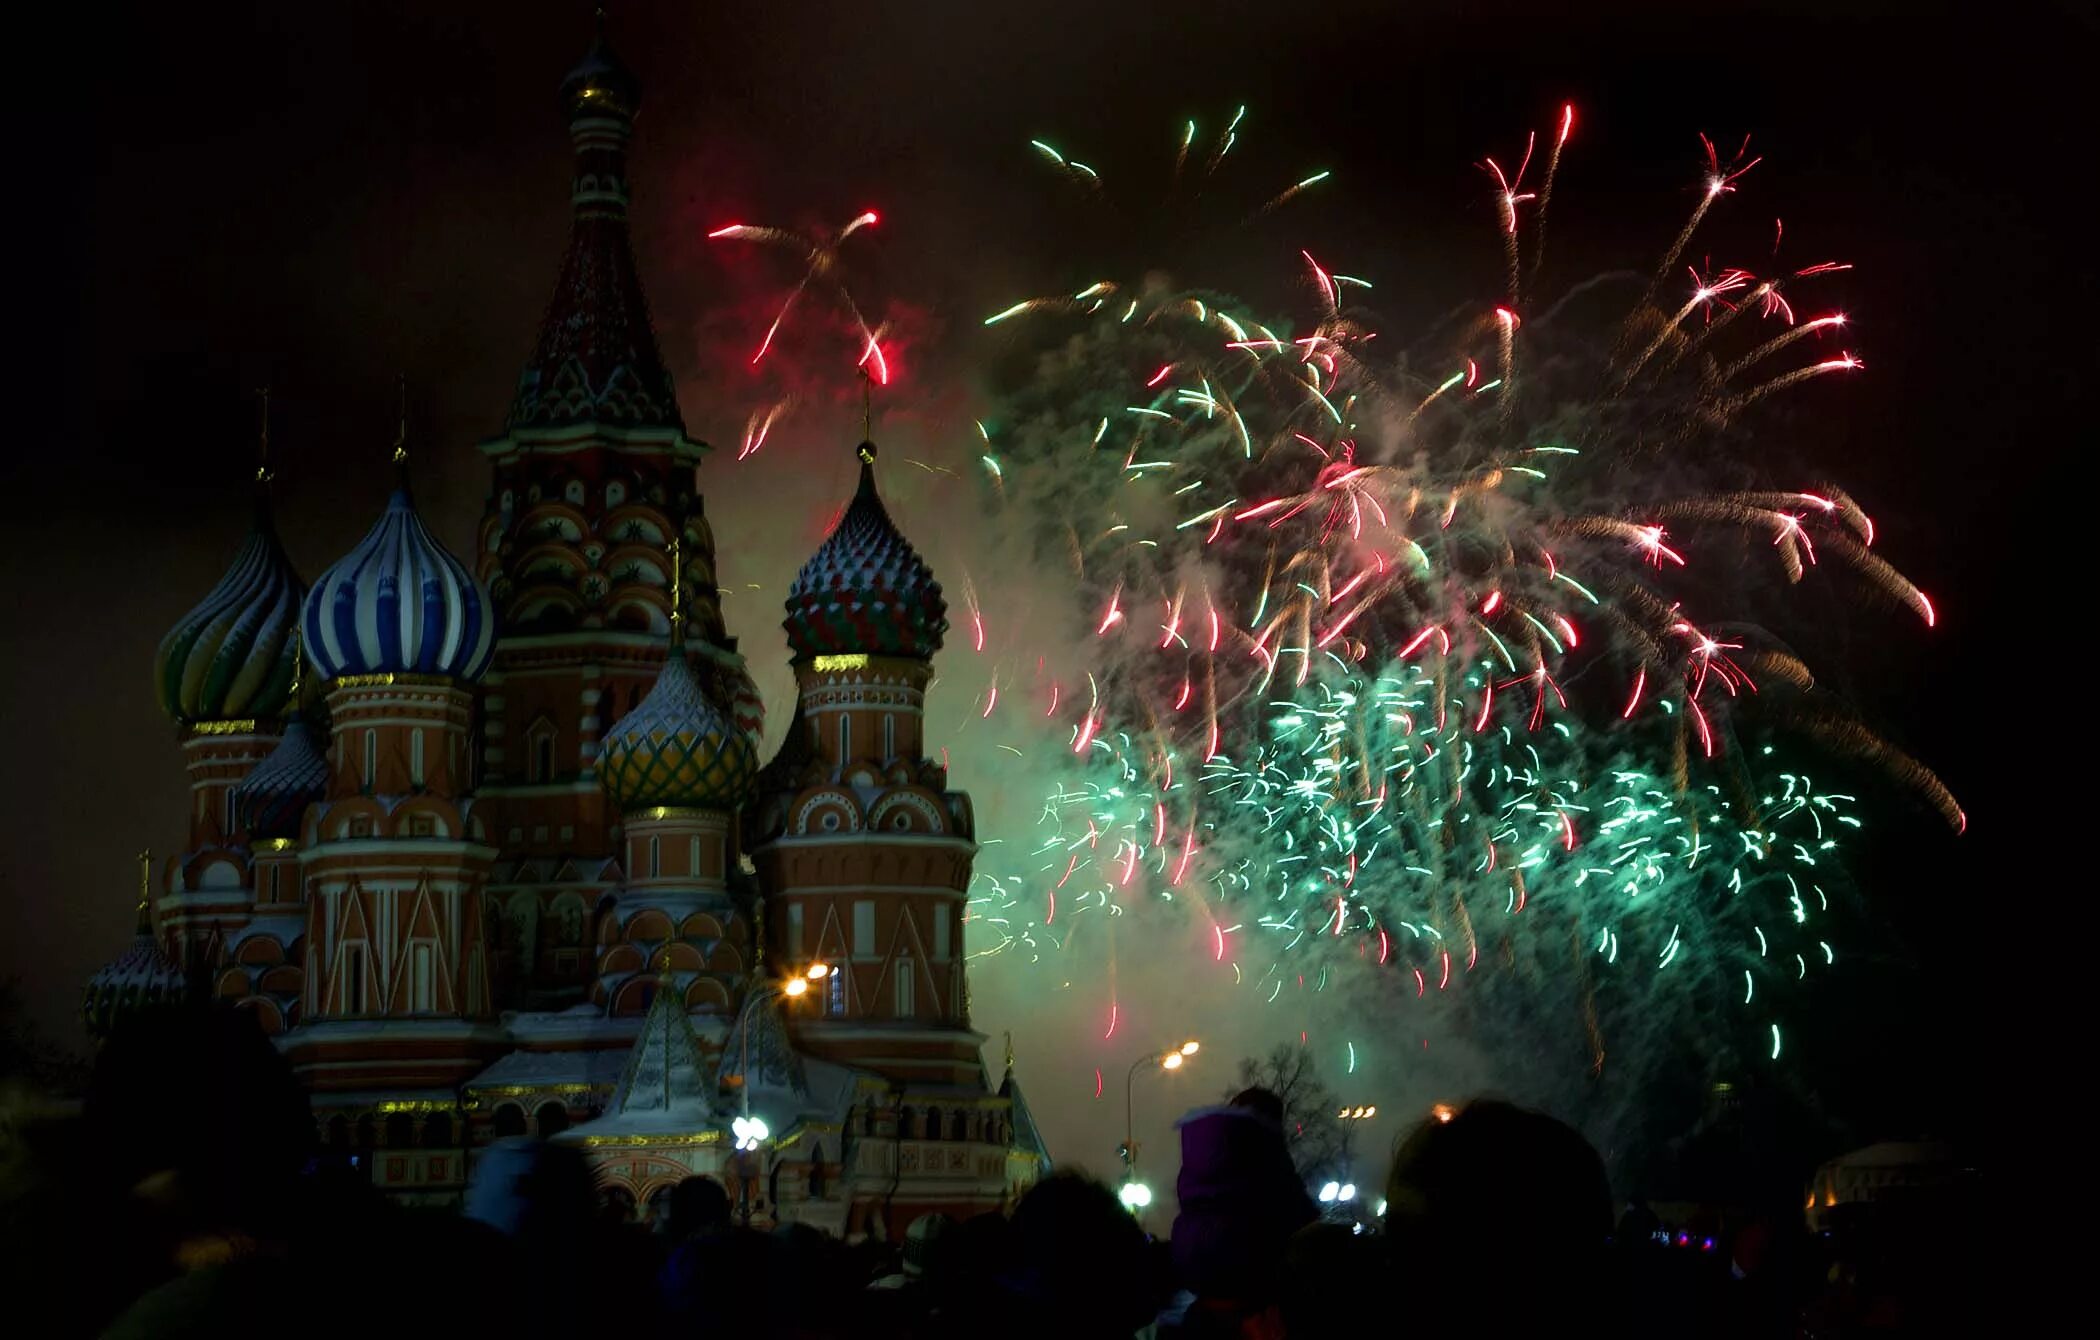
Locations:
(676, 748)
(601, 84)
(270, 801)
(399, 603)
(137, 980)
(866, 589)
(233, 656)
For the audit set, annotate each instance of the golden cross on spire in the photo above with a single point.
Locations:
(867, 402)
(401, 427)
(145, 876)
(298, 669)
(262, 448)
(678, 584)
(1009, 1050)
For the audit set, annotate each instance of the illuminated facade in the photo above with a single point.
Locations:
(486, 846)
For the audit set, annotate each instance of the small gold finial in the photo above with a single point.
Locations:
(867, 399)
(401, 426)
(298, 669)
(758, 938)
(1009, 1050)
(678, 586)
(263, 473)
(145, 876)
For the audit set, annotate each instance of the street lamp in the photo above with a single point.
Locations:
(750, 1131)
(1135, 1196)
(1172, 1058)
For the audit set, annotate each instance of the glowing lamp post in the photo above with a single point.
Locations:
(1170, 1059)
(751, 1132)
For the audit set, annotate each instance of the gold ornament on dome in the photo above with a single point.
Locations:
(244, 726)
(392, 677)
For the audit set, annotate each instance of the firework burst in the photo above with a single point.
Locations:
(1413, 670)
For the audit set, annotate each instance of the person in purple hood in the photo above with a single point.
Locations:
(1241, 1200)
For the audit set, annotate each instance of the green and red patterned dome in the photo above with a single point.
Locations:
(866, 590)
(677, 749)
(234, 655)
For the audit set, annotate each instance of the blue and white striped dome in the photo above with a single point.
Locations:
(399, 603)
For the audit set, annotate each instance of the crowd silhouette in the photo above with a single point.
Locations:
(187, 1196)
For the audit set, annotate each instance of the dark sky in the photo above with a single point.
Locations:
(318, 195)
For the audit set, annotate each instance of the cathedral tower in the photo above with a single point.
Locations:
(394, 858)
(863, 850)
(593, 481)
(225, 673)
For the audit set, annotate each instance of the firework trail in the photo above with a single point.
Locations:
(820, 260)
(1398, 675)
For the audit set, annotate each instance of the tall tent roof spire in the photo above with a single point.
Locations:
(596, 360)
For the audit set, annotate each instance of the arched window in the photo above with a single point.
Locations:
(339, 1132)
(907, 1127)
(933, 1123)
(889, 736)
(400, 1130)
(816, 1173)
(958, 1127)
(845, 737)
(553, 1119)
(367, 1132)
(656, 857)
(867, 1120)
(437, 1131)
(371, 756)
(510, 1120)
(415, 758)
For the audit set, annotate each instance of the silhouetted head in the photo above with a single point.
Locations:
(1079, 1260)
(538, 1194)
(193, 1108)
(698, 1205)
(1494, 1185)
(1260, 1100)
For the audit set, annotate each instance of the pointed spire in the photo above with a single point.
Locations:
(145, 917)
(401, 428)
(263, 473)
(678, 592)
(298, 674)
(597, 359)
(1009, 1051)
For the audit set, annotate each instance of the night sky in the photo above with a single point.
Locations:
(321, 195)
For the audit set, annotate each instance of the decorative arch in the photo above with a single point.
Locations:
(826, 810)
(260, 951)
(701, 926)
(634, 995)
(648, 925)
(706, 993)
(286, 979)
(907, 811)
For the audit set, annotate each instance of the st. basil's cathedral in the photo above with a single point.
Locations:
(486, 847)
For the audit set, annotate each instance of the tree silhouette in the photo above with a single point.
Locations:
(1317, 1143)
